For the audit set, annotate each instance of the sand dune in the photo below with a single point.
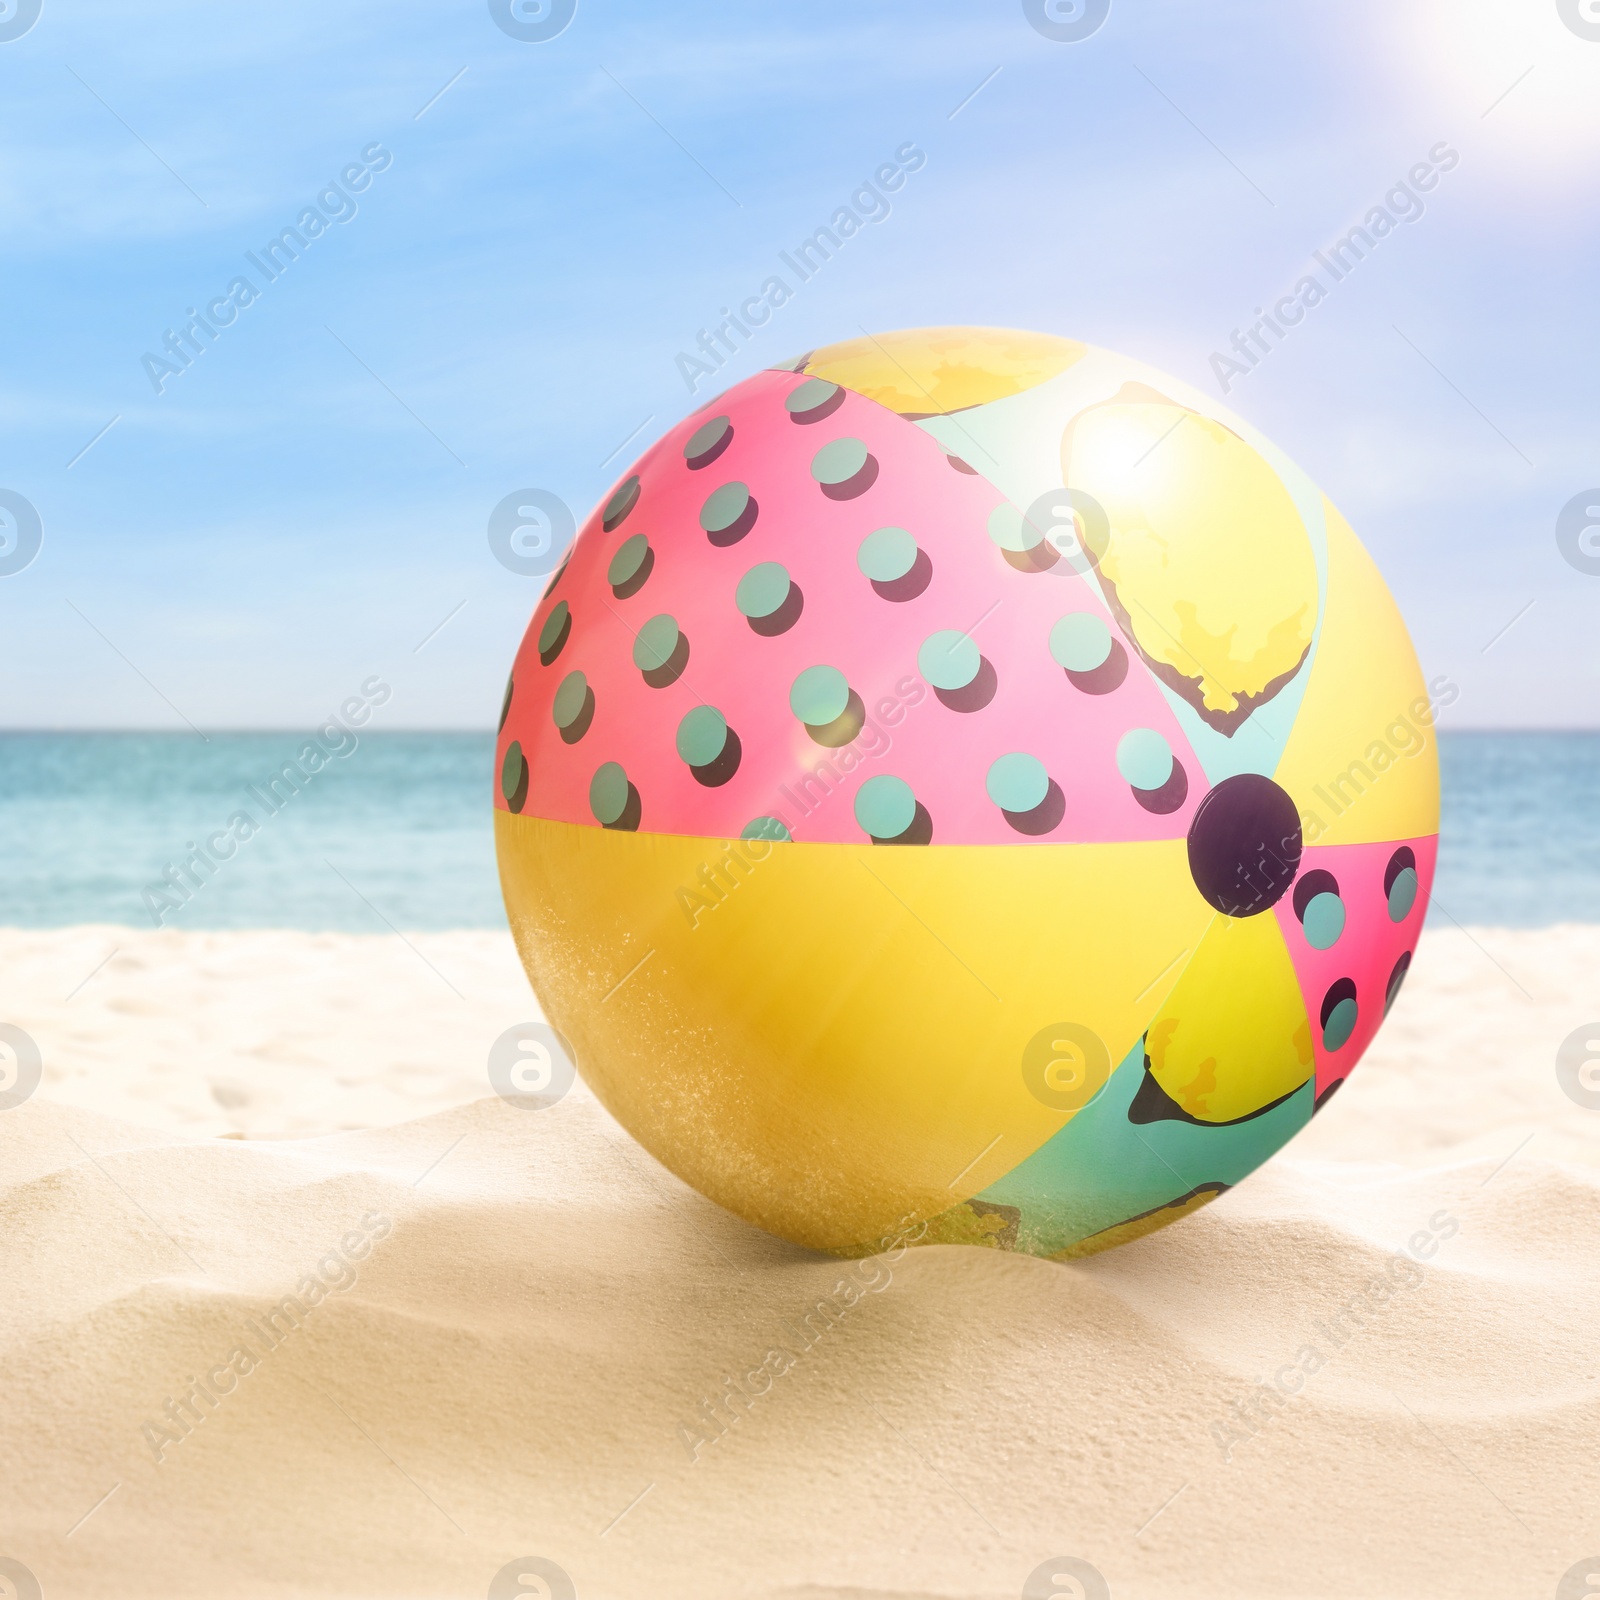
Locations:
(1370, 1369)
(270, 1034)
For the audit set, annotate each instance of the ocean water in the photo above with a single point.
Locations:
(1519, 831)
(396, 832)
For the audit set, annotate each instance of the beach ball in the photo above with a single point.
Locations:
(965, 786)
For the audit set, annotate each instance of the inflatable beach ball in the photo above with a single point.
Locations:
(965, 786)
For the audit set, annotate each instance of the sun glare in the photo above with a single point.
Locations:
(1523, 73)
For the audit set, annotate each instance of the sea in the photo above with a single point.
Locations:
(395, 833)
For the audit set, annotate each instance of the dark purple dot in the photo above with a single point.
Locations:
(1396, 979)
(1338, 992)
(1309, 887)
(1339, 1014)
(1403, 858)
(1244, 845)
(1400, 883)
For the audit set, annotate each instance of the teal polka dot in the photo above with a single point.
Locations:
(1323, 921)
(819, 696)
(887, 554)
(702, 735)
(762, 589)
(1340, 1025)
(1402, 894)
(512, 770)
(1080, 642)
(608, 793)
(765, 828)
(570, 698)
(621, 502)
(553, 624)
(628, 559)
(949, 659)
(656, 641)
(885, 806)
(724, 507)
(706, 438)
(808, 396)
(1144, 758)
(1009, 530)
(1018, 782)
(838, 461)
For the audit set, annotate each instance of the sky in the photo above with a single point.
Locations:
(530, 231)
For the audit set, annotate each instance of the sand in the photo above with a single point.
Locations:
(514, 1347)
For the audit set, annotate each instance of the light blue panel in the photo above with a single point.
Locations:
(1015, 442)
(1102, 1169)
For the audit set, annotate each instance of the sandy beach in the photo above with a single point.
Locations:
(1368, 1369)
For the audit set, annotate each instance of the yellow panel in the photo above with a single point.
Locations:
(835, 1044)
(1209, 566)
(927, 372)
(1362, 762)
(1233, 1036)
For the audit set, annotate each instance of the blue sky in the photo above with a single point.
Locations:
(309, 500)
